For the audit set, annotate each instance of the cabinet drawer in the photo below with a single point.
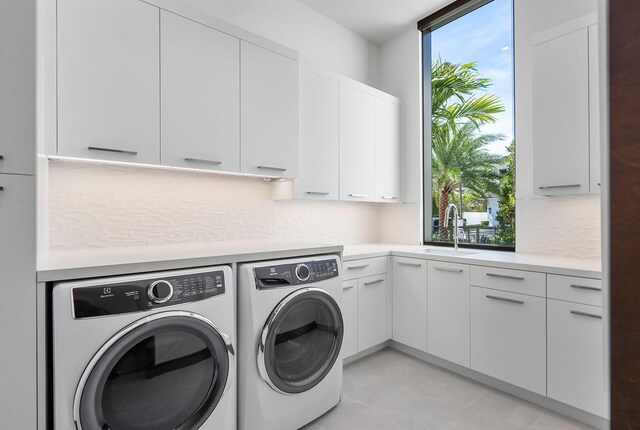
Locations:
(366, 267)
(572, 289)
(515, 281)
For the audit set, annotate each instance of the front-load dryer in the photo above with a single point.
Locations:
(145, 352)
(290, 331)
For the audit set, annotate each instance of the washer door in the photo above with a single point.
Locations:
(167, 371)
(301, 341)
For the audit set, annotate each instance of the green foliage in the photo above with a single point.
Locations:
(506, 217)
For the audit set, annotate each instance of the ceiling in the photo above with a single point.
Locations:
(376, 20)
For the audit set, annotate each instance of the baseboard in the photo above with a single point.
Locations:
(369, 351)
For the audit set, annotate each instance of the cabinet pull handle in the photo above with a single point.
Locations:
(1, 157)
(585, 287)
(389, 197)
(447, 269)
(402, 263)
(117, 151)
(1, 188)
(360, 196)
(362, 266)
(586, 314)
(504, 299)
(347, 287)
(498, 275)
(202, 160)
(279, 169)
(550, 187)
(598, 183)
(318, 193)
(377, 281)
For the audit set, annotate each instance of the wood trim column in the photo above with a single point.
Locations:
(624, 90)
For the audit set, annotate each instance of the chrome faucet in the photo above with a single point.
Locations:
(446, 223)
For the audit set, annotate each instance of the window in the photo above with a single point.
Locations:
(469, 142)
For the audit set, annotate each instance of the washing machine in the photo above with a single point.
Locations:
(145, 352)
(290, 331)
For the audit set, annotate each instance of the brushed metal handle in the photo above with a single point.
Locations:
(389, 197)
(357, 267)
(202, 160)
(318, 193)
(585, 287)
(498, 275)
(505, 299)
(598, 183)
(586, 314)
(360, 196)
(347, 287)
(1, 188)
(550, 187)
(447, 269)
(117, 151)
(279, 169)
(1, 157)
(374, 282)
(402, 263)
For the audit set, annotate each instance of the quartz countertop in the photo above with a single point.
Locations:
(570, 266)
(90, 263)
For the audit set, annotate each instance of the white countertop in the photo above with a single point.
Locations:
(91, 263)
(571, 266)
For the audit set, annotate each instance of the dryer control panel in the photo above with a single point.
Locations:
(120, 298)
(299, 273)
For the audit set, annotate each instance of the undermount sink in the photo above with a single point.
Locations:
(451, 252)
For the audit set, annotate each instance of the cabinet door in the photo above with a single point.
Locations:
(18, 305)
(448, 312)
(594, 110)
(357, 162)
(410, 302)
(575, 356)
(350, 317)
(387, 151)
(372, 311)
(200, 73)
(109, 80)
(319, 144)
(269, 112)
(508, 339)
(561, 115)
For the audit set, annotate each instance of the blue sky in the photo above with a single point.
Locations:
(486, 37)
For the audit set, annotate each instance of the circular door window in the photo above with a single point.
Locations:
(301, 341)
(168, 371)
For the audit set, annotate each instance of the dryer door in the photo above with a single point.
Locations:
(167, 371)
(301, 341)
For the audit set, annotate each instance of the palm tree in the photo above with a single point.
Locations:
(459, 157)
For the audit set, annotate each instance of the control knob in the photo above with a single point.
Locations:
(160, 291)
(302, 272)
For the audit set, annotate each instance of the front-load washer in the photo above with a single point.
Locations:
(290, 331)
(145, 352)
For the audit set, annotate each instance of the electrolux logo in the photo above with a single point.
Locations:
(106, 293)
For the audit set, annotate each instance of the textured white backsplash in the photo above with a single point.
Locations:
(97, 205)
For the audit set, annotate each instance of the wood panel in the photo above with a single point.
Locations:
(624, 93)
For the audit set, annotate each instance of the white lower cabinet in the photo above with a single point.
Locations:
(350, 318)
(372, 311)
(448, 312)
(410, 302)
(508, 339)
(576, 372)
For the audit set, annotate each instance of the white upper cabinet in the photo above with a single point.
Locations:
(387, 151)
(566, 141)
(200, 75)
(357, 161)
(319, 138)
(109, 80)
(269, 105)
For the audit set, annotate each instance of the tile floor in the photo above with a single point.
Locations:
(391, 390)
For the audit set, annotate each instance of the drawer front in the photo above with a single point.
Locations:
(350, 317)
(572, 289)
(514, 281)
(365, 267)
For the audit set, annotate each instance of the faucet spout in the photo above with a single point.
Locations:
(455, 222)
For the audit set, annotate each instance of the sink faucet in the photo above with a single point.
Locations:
(455, 228)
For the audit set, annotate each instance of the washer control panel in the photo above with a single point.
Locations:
(121, 298)
(304, 272)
